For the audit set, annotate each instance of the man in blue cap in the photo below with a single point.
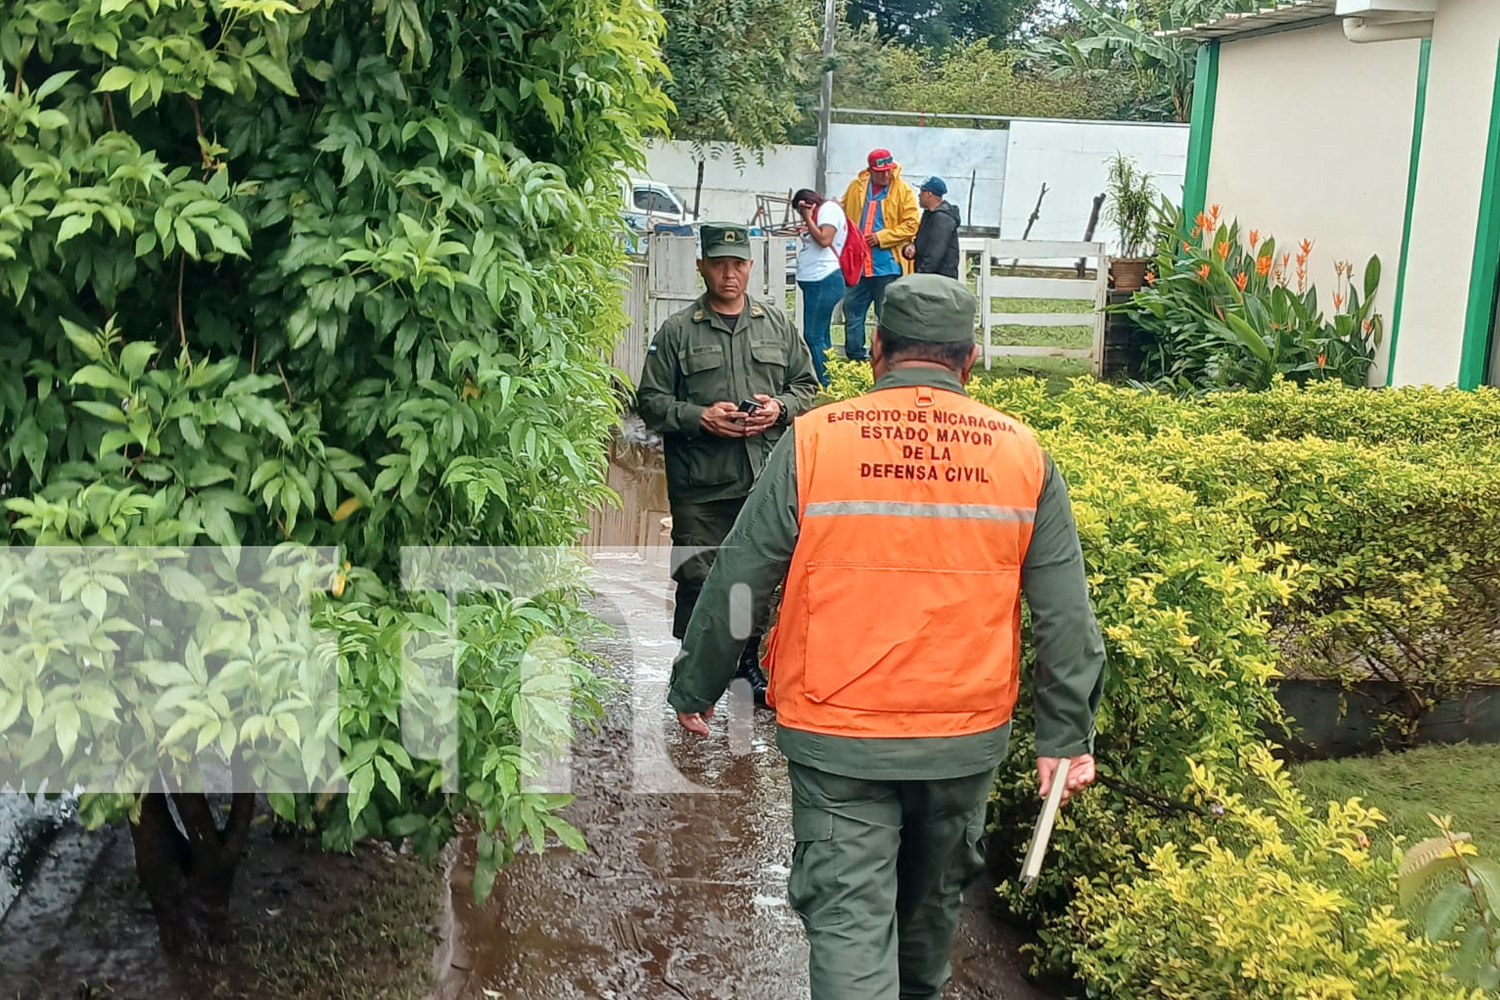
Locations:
(936, 248)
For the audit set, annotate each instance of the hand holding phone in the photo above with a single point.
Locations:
(749, 405)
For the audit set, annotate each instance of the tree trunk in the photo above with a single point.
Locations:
(189, 876)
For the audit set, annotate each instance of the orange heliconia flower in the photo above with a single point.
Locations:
(1150, 277)
(1263, 265)
(1338, 300)
(1322, 360)
(1197, 232)
(1203, 272)
(1213, 216)
(1241, 280)
(1201, 222)
(1224, 250)
(1254, 238)
(1306, 247)
(1368, 325)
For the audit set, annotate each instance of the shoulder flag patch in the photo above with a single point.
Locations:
(651, 349)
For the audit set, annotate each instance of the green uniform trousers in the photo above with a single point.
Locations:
(877, 878)
(697, 531)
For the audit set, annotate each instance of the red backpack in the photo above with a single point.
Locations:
(855, 256)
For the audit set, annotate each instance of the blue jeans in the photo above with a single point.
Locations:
(818, 300)
(869, 291)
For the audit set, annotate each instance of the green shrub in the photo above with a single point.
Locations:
(338, 274)
(1275, 904)
(1225, 545)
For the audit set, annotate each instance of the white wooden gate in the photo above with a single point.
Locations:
(1017, 269)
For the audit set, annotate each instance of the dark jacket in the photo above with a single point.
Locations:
(937, 241)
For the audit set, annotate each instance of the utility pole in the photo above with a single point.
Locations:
(825, 105)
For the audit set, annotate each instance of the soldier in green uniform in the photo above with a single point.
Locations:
(888, 825)
(724, 349)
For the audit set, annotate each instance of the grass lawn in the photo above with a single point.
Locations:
(1461, 781)
(1056, 371)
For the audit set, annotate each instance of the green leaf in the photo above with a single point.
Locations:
(1372, 277)
(66, 728)
(74, 225)
(275, 73)
(84, 340)
(104, 411)
(99, 378)
(135, 356)
(361, 784)
(388, 776)
(115, 78)
(1445, 910)
(485, 870)
(52, 85)
(399, 826)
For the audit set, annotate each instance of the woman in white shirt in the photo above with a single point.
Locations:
(818, 272)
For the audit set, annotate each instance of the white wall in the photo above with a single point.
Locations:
(970, 161)
(1445, 214)
(1312, 140)
(1004, 168)
(729, 189)
(1072, 159)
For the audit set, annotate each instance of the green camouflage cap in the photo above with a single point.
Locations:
(724, 239)
(929, 307)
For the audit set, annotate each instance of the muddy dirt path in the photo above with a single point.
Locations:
(683, 894)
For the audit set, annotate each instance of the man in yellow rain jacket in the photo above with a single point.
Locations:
(883, 209)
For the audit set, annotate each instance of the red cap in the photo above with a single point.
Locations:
(881, 159)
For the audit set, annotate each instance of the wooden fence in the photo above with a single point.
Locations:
(1016, 269)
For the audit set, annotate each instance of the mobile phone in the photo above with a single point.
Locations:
(750, 405)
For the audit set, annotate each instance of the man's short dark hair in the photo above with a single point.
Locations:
(951, 354)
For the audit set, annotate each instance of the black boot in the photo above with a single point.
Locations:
(749, 669)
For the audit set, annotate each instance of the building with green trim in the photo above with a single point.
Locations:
(1368, 127)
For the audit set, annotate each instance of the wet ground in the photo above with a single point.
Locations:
(683, 894)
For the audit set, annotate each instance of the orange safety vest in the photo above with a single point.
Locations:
(901, 612)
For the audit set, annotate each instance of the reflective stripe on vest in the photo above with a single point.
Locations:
(899, 508)
(901, 613)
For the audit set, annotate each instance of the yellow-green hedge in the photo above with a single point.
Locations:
(1331, 531)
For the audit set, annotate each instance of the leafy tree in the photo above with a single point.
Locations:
(736, 68)
(973, 78)
(739, 71)
(939, 25)
(335, 273)
(1117, 39)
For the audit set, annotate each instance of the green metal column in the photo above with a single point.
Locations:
(1411, 197)
(1201, 137)
(1473, 369)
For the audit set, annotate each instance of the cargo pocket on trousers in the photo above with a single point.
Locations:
(970, 862)
(813, 830)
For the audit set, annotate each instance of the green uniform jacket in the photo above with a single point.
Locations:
(695, 361)
(1069, 675)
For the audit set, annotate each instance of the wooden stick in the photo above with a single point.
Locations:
(1088, 233)
(1036, 213)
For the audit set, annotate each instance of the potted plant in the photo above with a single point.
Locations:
(1130, 203)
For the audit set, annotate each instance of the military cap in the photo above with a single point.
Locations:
(723, 239)
(929, 307)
